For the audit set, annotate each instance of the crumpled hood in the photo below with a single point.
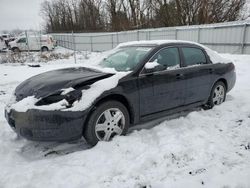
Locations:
(50, 82)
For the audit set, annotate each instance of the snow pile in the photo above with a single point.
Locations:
(59, 54)
(201, 149)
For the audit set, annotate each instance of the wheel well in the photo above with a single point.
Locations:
(115, 97)
(224, 81)
(120, 99)
(44, 47)
(14, 48)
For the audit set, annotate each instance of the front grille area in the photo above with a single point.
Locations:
(26, 132)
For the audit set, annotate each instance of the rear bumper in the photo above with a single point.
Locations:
(42, 125)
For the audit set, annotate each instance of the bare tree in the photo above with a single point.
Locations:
(118, 15)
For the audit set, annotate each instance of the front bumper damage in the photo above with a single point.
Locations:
(41, 125)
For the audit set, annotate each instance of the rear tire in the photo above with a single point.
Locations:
(217, 96)
(44, 49)
(109, 119)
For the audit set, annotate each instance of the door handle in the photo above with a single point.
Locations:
(179, 76)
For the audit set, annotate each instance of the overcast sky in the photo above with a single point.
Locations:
(20, 14)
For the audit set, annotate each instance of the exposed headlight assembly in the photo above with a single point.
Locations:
(70, 97)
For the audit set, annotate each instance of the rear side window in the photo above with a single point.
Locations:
(193, 56)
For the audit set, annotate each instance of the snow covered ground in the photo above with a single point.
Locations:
(201, 149)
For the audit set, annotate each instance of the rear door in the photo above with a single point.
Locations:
(198, 73)
(164, 87)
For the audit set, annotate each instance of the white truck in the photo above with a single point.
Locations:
(32, 43)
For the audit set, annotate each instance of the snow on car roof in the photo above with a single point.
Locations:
(154, 42)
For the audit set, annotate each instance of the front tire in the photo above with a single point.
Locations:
(109, 119)
(217, 96)
(16, 50)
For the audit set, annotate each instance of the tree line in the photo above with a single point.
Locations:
(120, 15)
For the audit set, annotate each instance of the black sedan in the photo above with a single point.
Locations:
(161, 78)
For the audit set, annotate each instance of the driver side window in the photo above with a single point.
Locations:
(166, 59)
(22, 40)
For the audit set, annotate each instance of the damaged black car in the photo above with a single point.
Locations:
(150, 80)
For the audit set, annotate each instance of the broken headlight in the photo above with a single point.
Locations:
(70, 97)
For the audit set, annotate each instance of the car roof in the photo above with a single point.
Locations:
(155, 43)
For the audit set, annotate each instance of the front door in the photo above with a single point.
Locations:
(163, 87)
(22, 44)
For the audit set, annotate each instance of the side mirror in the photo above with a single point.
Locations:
(151, 67)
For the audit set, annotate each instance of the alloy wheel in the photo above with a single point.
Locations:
(110, 123)
(219, 95)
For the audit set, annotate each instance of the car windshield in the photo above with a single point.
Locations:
(126, 58)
